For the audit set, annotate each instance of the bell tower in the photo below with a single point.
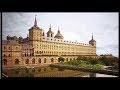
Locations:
(35, 33)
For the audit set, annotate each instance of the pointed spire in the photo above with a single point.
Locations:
(92, 36)
(35, 23)
(50, 27)
(27, 35)
(43, 33)
(58, 30)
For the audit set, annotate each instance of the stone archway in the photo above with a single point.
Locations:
(16, 61)
(33, 61)
(60, 59)
(52, 60)
(39, 60)
(27, 61)
(4, 61)
(44, 60)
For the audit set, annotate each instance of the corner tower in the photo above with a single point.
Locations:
(92, 41)
(35, 33)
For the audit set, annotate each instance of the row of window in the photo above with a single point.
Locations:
(56, 47)
(39, 61)
(27, 61)
(72, 49)
(4, 55)
(28, 49)
(26, 54)
(53, 52)
(65, 41)
(5, 61)
(33, 61)
(9, 48)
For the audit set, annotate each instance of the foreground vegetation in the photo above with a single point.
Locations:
(94, 63)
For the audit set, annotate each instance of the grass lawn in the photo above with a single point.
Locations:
(83, 64)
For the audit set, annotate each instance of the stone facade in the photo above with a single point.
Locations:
(39, 48)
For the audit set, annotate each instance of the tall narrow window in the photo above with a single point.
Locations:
(4, 47)
(44, 60)
(39, 60)
(52, 60)
(9, 48)
(9, 55)
(4, 55)
(33, 61)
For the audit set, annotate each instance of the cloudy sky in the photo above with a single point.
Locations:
(73, 26)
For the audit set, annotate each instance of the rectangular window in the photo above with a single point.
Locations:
(9, 55)
(4, 55)
(9, 48)
(4, 47)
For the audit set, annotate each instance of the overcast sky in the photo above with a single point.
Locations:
(73, 26)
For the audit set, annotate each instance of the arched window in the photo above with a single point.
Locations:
(66, 59)
(52, 60)
(9, 48)
(44, 60)
(39, 60)
(40, 52)
(27, 61)
(4, 55)
(70, 59)
(16, 61)
(4, 61)
(33, 61)
(37, 52)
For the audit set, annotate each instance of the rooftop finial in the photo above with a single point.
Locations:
(43, 33)
(50, 27)
(92, 36)
(58, 30)
(35, 23)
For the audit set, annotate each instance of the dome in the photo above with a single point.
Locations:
(50, 31)
(59, 35)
